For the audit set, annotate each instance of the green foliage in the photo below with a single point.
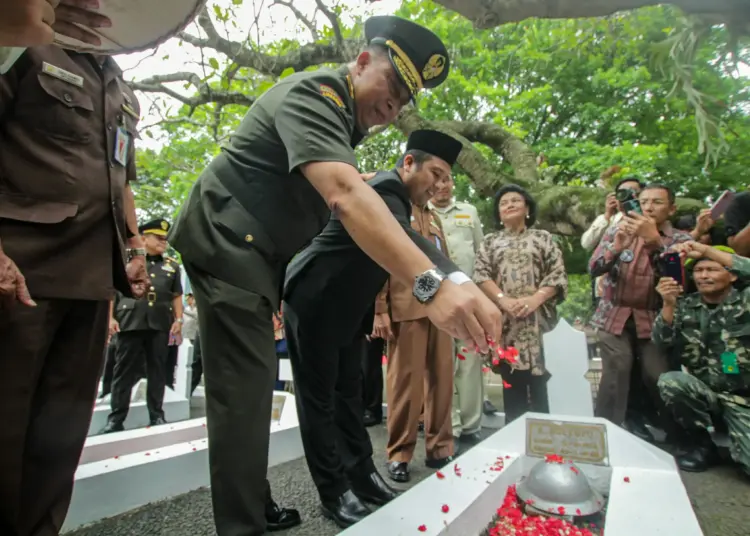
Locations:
(587, 94)
(578, 303)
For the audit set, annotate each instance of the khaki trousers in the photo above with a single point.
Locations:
(468, 392)
(420, 371)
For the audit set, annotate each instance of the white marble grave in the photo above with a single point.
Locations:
(646, 495)
(566, 357)
(176, 403)
(125, 470)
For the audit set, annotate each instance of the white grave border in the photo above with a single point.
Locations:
(638, 476)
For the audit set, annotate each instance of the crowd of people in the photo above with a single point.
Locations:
(281, 227)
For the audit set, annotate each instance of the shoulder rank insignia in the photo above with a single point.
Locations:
(329, 93)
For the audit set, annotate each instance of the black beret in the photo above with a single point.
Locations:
(158, 227)
(435, 143)
(418, 56)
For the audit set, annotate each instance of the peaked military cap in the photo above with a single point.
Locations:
(158, 227)
(418, 56)
(435, 143)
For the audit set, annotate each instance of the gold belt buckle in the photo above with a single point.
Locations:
(151, 296)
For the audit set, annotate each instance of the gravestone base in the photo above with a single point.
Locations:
(126, 470)
(646, 496)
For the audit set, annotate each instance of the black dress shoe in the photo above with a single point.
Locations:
(112, 427)
(488, 408)
(158, 421)
(398, 471)
(472, 439)
(370, 419)
(373, 489)
(346, 510)
(438, 463)
(278, 518)
(638, 429)
(698, 459)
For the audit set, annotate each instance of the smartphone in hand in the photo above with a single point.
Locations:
(672, 266)
(720, 207)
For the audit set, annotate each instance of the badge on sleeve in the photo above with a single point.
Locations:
(122, 143)
(729, 363)
(330, 93)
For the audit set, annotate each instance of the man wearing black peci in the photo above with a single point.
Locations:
(328, 309)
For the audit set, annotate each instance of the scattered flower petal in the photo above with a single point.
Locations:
(422, 528)
(461, 357)
(627, 479)
(439, 475)
(445, 509)
(506, 385)
(561, 510)
(554, 458)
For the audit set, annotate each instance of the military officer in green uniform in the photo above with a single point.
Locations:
(710, 331)
(143, 329)
(272, 188)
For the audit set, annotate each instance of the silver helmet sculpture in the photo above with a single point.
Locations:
(558, 487)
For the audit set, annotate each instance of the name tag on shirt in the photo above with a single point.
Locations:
(62, 74)
(122, 143)
(464, 220)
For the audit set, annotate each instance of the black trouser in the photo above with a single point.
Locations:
(372, 377)
(525, 393)
(133, 347)
(236, 330)
(328, 391)
(197, 365)
(109, 366)
(170, 364)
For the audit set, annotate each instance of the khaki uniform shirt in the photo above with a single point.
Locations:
(61, 186)
(398, 297)
(463, 231)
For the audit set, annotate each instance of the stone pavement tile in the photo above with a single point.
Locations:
(721, 500)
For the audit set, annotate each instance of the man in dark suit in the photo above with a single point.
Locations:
(328, 309)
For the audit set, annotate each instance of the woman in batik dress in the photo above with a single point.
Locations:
(521, 269)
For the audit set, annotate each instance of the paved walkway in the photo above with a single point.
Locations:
(720, 498)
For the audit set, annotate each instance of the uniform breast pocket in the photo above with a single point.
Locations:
(62, 110)
(464, 222)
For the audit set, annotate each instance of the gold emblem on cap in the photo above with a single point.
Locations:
(405, 66)
(164, 225)
(434, 67)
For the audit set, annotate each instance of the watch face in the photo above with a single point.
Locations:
(425, 287)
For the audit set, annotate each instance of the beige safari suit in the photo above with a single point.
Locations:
(463, 232)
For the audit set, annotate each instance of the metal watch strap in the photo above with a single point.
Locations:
(135, 252)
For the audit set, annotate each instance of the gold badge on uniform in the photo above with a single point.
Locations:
(329, 93)
(62, 74)
(433, 67)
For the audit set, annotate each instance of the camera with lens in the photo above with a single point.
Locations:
(628, 199)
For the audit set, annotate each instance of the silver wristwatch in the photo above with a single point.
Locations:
(135, 252)
(427, 284)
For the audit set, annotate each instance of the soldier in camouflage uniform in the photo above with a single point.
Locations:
(710, 332)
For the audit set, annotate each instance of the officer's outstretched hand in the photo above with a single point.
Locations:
(12, 284)
(138, 276)
(464, 312)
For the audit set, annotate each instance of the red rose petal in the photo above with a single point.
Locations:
(439, 475)
(554, 458)
(445, 509)
(627, 479)
(578, 511)
(506, 385)
(561, 509)
(461, 357)
(422, 528)
(116, 457)
(574, 469)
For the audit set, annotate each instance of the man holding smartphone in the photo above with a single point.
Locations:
(708, 329)
(629, 304)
